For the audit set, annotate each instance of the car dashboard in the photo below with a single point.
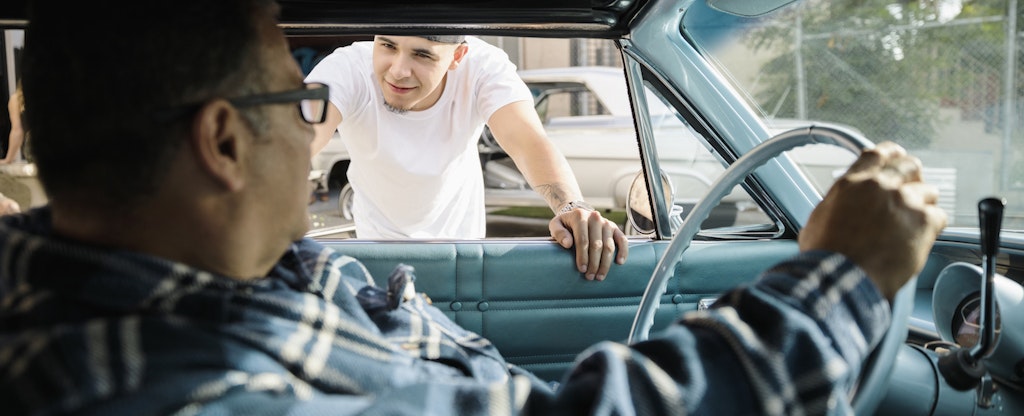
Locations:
(945, 320)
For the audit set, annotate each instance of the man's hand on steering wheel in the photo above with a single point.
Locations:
(880, 215)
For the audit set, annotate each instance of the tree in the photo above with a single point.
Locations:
(883, 67)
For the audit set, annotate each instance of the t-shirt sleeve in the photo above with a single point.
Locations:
(497, 83)
(344, 72)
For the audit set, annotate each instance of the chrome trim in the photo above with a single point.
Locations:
(705, 303)
(645, 135)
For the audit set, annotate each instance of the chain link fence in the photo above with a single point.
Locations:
(943, 79)
(946, 84)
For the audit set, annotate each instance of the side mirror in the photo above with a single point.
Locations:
(638, 205)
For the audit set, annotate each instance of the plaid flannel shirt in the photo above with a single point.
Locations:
(90, 330)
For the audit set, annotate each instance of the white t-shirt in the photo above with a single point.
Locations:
(418, 174)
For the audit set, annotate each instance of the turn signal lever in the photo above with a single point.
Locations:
(964, 368)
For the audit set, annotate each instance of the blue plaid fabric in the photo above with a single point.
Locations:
(88, 330)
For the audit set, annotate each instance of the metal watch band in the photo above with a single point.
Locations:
(573, 205)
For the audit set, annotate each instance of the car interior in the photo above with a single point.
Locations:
(963, 312)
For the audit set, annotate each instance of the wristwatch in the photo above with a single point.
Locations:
(573, 205)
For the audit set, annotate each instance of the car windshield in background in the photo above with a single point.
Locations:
(931, 76)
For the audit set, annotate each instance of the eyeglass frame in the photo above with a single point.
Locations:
(297, 96)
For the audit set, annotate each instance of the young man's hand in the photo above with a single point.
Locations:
(597, 241)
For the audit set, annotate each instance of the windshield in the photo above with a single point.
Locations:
(931, 76)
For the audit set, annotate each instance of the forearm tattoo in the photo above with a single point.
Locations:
(556, 194)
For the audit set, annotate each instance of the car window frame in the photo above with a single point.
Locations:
(640, 74)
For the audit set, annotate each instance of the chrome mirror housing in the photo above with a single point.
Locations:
(639, 210)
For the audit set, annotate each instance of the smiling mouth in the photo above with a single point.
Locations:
(399, 89)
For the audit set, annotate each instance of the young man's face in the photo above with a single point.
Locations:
(411, 70)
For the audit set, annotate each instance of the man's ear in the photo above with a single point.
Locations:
(219, 142)
(460, 52)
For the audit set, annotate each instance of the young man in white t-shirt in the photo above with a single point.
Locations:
(410, 110)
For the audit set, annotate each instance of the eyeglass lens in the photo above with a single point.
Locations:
(313, 111)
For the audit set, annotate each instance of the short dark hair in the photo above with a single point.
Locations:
(96, 73)
(455, 39)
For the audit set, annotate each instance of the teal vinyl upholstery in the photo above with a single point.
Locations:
(528, 299)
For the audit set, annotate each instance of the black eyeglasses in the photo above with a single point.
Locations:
(312, 101)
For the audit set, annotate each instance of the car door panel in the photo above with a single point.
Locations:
(528, 299)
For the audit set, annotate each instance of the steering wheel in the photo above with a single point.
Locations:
(875, 374)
